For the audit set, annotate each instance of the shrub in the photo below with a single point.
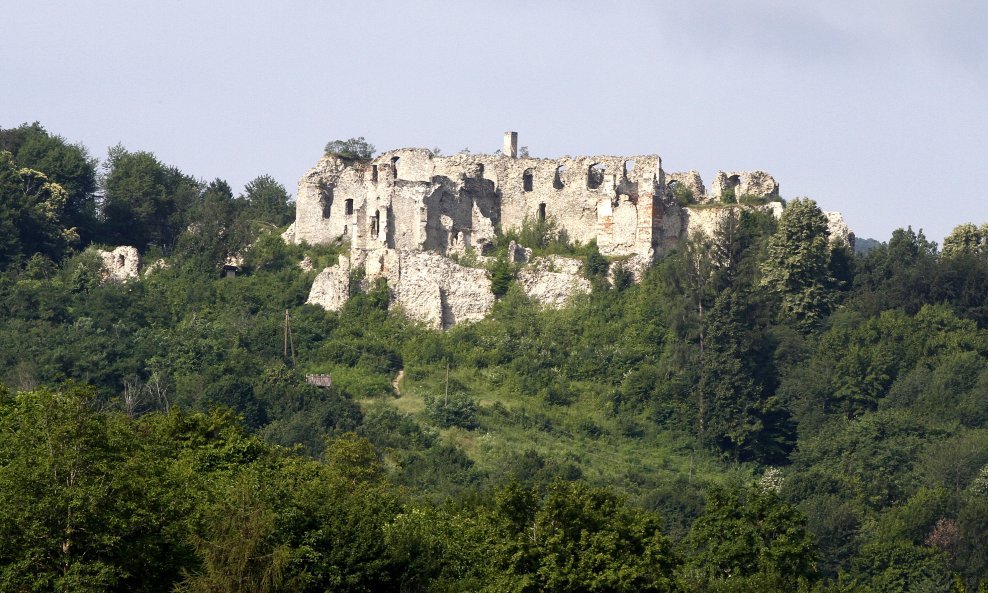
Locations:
(353, 148)
(458, 410)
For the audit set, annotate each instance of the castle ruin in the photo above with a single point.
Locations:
(406, 212)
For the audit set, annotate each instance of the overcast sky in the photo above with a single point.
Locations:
(875, 108)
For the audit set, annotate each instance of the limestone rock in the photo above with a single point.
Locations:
(839, 231)
(121, 264)
(439, 292)
(289, 235)
(744, 183)
(158, 264)
(331, 288)
(306, 264)
(553, 280)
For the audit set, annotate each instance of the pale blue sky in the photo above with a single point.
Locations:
(875, 108)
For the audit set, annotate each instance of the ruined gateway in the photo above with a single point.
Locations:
(407, 212)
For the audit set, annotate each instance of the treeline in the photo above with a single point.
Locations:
(96, 501)
(764, 411)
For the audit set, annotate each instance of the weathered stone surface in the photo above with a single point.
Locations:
(158, 264)
(709, 218)
(553, 280)
(689, 180)
(439, 292)
(758, 184)
(839, 230)
(404, 212)
(331, 288)
(121, 264)
(306, 264)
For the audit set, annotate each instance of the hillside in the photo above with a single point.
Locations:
(761, 410)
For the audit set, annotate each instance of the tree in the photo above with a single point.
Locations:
(572, 537)
(33, 214)
(966, 238)
(83, 506)
(68, 165)
(267, 201)
(797, 268)
(745, 532)
(740, 417)
(352, 148)
(144, 201)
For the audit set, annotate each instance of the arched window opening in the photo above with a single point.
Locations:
(526, 180)
(595, 175)
(557, 182)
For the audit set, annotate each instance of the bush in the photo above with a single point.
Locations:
(353, 148)
(458, 410)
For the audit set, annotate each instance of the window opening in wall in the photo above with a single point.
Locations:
(595, 175)
(327, 201)
(480, 170)
(557, 182)
(526, 180)
(374, 173)
(542, 212)
(394, 165)
(629, 166)
(376, 225)
(121, 260)
(344, 230)
(349, 206)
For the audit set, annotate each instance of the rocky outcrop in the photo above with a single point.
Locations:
(331, 288)
(438, 291)
(121, 264)
(839, 231)
(553, 280)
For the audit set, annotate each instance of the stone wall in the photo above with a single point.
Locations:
(405, 212)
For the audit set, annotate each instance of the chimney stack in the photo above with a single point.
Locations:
(511, 144)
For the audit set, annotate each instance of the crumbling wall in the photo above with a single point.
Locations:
(121, 264)
(404, 212)
(553, 281)
(758, 184)
(410, 199)
(688, 180)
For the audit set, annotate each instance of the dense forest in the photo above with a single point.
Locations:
(765, 411)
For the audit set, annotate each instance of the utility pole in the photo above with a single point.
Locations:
(446, 399)
(289, 339)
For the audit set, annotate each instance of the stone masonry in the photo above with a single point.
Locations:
(405, 212)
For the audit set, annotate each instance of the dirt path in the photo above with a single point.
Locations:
(397, 380)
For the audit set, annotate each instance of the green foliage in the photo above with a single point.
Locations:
(502, 274)
(352, 148)
(457, 409)
(682, 194)
(744, 532)
(797, 268)
(267, 201)
(34, 215)
(144, 201)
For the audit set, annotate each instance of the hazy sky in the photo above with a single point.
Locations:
(875, 108)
